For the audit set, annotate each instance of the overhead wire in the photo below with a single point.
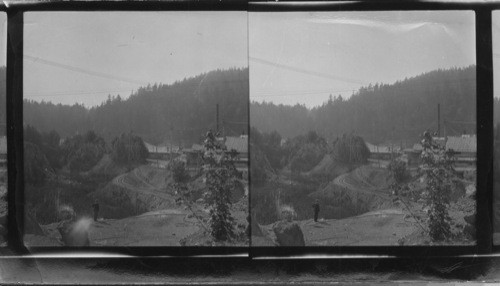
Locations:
(40, 60)
(61, 93)
(304, 71)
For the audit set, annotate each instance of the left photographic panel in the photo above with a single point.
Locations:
(135, 129)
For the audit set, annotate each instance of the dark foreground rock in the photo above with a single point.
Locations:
(288, 234)
(75, 233)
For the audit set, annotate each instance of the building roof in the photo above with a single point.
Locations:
(370, 147)
(240, 144)
(197, 147)
(160, 148)
(378, 149)
(151, 148)
(462, 144)
(418, 147)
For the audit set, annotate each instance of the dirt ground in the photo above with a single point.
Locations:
(158, 228)
(384, 227)
(377, 228)
(390, 220)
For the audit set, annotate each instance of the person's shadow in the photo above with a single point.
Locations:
(319, 223)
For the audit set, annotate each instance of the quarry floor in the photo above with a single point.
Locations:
(387, 227)
(396, 221)
(164, 226)
(383, 227)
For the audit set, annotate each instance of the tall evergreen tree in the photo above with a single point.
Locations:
(221, 177)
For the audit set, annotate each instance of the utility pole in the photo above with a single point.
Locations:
(444, 127)
(439, 120)
(217, 118)
(223, 130)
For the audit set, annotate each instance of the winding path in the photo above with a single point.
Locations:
(143, 186)
(364, 186)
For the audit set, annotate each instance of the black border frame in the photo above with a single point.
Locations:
(484, 87)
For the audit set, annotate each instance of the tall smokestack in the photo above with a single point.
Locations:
(439, 120)
(217, 117)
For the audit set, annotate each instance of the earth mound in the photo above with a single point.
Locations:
(330, 167)
(141, 190)
(362, 190)
(107, 167)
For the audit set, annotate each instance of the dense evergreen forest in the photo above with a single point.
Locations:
(179, 113)
(383, 113)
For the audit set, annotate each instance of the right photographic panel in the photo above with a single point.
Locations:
(363, 128)
(496, 123)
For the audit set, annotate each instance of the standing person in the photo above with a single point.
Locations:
(316, 210)
(95, 206)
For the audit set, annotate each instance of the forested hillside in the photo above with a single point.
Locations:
(378, 113)
(180, 112)
(383, 112)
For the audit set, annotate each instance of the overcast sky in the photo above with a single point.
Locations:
(84, 56)
(305, 57)
(3, 38)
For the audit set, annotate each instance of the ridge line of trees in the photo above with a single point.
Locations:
(177, 113)
(381, 113)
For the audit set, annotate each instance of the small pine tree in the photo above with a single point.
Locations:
(221, 177)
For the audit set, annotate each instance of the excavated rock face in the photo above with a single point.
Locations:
(288, 234)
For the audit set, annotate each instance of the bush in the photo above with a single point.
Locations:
(399, 171)
(36, 166)
(270, 145)
(82, 152)
(267, 201)
(287, 212)
(307, 157)
(179, 173)
(350, 149)
(85, 157)
(129, 149)
(48, 143)
(32, 135)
